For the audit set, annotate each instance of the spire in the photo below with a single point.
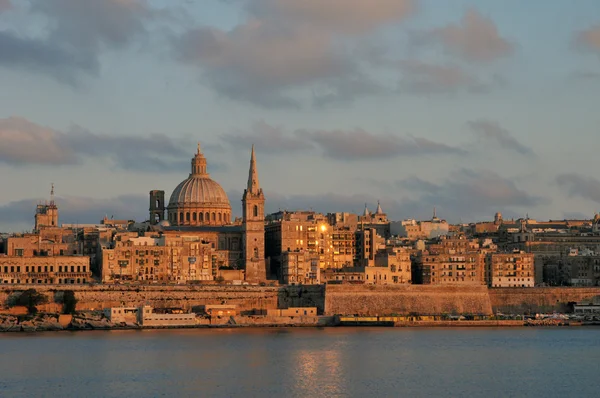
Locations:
(253, 186)
(52, 195)
(366, 212)
(379, 209)
(434, 213)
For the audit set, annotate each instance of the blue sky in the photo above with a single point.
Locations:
(470, 106)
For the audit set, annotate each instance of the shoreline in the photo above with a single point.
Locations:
(398, 325)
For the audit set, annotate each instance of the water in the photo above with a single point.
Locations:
(340, 362)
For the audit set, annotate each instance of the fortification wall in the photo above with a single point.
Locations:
(539, 299)
(370, 300)
(246, 297)
(329, 300)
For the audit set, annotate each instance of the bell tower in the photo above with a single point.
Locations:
(157, 207)
(46, 215)
(254, 225)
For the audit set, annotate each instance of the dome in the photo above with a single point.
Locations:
(199, 200)
(199, 190)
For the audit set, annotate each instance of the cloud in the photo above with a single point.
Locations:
(492, 131)
(42, 56)
(475, 39)
(19, 215)
(79, 31)
(25, 143)
(266, 138)
(589, 39)
(360, 144)
(585, 75)
(579, 185)
(286, 46)
(339, 16)
(424, 78)
(466, 196)
(5, 5)
(470, 195)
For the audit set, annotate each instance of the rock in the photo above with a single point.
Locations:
(28, 326)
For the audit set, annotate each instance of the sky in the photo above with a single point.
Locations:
(472, 107)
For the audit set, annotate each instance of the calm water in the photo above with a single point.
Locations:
(523, 362)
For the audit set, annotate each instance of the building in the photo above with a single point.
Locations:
(368, 243)
(414, 230)
(50, 255)
(147, 316)
(300, 267)
(197, 238)
(298, 231)
(397, 260)
(45, 270)
(514, 269)
(377, 220)
(293, 311)
(455, 260)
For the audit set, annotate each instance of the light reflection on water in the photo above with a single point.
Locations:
(303, 362)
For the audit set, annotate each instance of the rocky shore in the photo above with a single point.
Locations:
(54, 322)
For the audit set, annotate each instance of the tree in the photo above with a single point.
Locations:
(31, 299)
(69, 302)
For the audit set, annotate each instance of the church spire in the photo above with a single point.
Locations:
(253, 186)
(379, 209)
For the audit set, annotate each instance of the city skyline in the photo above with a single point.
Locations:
(471, 107)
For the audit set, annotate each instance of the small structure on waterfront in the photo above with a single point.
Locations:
(589, 307)
(146, 316)
(293, 311)
(220, 309)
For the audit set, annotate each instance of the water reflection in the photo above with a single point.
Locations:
(302, 362)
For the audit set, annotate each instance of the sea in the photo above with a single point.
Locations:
(303, 362)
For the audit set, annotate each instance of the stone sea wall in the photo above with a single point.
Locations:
(371, 300)
(246, 297)
(539, 299)
(329, 300)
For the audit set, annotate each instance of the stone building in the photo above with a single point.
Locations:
(197, 238)
(330, 246)
(49, 255)
(397, 259)
(304, 231)
(455, 260)
(427, 229)
(510, 269)
(45, 270)
(377, 220)
(300, 267)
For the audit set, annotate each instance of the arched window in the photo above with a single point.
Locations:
(193, 216)
(157, 204)
(207, 217)
(181, 217)
(255, 211)
(187, 216)
(214, 217)
(201, 217)
(220, 217)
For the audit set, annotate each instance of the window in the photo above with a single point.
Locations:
(19, 252)
(255, 212)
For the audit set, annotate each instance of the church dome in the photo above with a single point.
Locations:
(199, 190)
(199, 200)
